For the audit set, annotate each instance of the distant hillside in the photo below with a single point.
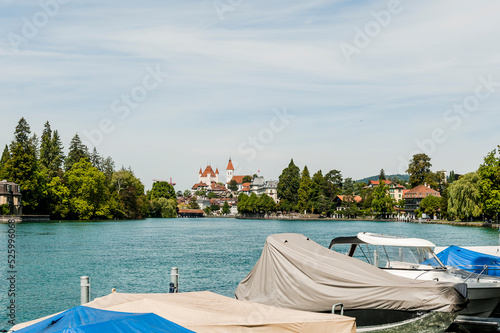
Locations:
(399, 176)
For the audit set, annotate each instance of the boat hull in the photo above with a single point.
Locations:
(428, 322)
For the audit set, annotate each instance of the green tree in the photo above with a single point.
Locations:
(22, 167)
(247, 179)
(212, 195)
(96, 160)
(4, 160)
(129, 190)
(243, 204)
(489, 173)
(225, 208)
(89, 194)
(51, 152)
(348, 187)
(382, 202)
(333, 180)
(288, 186)
(192, 203)
(430, 205)
(77, 151)
(464, 196)
(233, 185)
(305, 192)
(162, 190)
(381, 176)
(168, 207)
(186, 193)
(418, 169)
(265, 204)
(58, 198)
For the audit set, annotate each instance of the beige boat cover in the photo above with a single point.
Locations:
(208, 312)
(294, 272)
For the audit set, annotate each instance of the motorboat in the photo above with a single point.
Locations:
(414, 258)
(294, 272)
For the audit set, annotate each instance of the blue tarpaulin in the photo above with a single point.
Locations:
(85, 319)
(471, 261)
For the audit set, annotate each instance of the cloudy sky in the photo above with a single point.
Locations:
(166, 87)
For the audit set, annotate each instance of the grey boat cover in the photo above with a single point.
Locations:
(294, 272)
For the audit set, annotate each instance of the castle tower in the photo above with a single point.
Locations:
(229, 171)
(216, 175)
(199, 176)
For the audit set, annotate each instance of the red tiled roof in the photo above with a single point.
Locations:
(246, 184)
(208, 171)
(230, 165)
(376, 182)
(197, 211)
(216, 171)
(421, 191)
(357, 198)
(200, 171)
(246, 189)
(195, 186)
(217, 187)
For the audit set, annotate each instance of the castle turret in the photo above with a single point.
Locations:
(229, 171)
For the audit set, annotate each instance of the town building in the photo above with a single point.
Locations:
(259, 186)
(10, 195)
(396, 191)
(414, 197)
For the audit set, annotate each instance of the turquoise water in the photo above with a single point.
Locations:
(136, 256)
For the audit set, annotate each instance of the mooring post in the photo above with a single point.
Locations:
(174, 280)
(85, 289)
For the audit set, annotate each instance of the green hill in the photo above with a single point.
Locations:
(398, 176)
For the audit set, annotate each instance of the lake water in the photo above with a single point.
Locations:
(136, 256)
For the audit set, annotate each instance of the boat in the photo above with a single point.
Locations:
(414, 258)
(207, 312)
(470, 260)
(294, 272)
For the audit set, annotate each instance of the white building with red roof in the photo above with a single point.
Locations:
(209, 176)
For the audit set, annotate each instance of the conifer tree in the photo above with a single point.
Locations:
(77, 151)
(3, 163)
(288, 187)
(304, 193)
(22, 167)
(46, 146)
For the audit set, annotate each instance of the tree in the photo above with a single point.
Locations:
(162, 190)
(247, 179)
(168, 207)
(23, 168)
(4, 160)
(348, 187)
(288, 185)
(46, 147)
(225, 208)
(89, 194)
(318, 190)
(186, 193)
(233, 185)
(212, 195)
(304, 193)
(193, 204)
(418, 169)
(96, 160)
(382, 202)
(333, 180)
(381, 176)
(243, 203)
(465, 196)
(489, 173)
(430, 205)
(131, 201)
(77, 151)
(58, 198)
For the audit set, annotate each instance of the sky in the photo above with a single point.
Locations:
(166, 87)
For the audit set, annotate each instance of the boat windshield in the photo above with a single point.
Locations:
(384, 256)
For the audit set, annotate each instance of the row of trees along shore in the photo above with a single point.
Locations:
(475, 195)
(86, 185)
(82, 185)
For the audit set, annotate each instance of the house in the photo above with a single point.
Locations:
(259, 186)
(340, 199)
(395, 190)
(231, 176)
(414, 197)
(10, 195)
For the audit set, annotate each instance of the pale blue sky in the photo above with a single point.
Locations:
(233, 64)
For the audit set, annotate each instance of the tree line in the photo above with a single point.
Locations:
(80, 185)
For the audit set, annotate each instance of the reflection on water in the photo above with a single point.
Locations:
(136, 256)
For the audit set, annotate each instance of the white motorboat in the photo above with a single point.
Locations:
(296, 273)
(414, 258)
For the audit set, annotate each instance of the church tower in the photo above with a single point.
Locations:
(229, 171)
